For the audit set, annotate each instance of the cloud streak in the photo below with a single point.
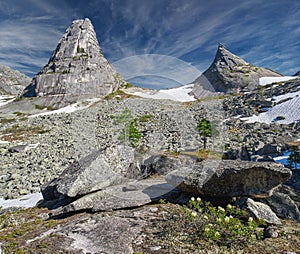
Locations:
(264, 33)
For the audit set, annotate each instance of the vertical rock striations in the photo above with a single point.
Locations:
(229, 73)
(77, 68)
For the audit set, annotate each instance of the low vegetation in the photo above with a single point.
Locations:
(17, 132)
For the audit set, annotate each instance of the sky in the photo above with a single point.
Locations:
(161, 43)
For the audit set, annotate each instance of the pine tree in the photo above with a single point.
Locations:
(205, 130)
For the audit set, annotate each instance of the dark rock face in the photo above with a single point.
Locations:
(230, 73)
(230, 178)
(77, 68)
(12, 81)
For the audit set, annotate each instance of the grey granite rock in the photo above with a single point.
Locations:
(76, 70)
(127, 195)
(230, 178)
(258, 210)
(230, 73)
(94, 172)
(283, 206)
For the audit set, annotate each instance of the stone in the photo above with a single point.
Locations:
(230, 178)
(258, 210)
(269, 150)
(229, 73)
(77, 69)
(271, 232)
(98, 170)
(18, 149)
(127, 195)
(283, 206)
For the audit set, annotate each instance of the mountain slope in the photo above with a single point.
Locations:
(230, 73)
(77, 68)
(12, 82)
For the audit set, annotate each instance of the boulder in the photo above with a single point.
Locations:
(230, 178)
(94, 172)
(269, 149)
(283, 206)
(258, 210)
(127, 195)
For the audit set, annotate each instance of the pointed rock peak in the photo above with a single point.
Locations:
(229, 73)
(226, 57)
(77, 68)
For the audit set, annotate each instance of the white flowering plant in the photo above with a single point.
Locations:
(222, 224)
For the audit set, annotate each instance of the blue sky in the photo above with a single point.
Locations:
(133, 32)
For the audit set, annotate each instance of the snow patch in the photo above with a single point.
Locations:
(175, 94)
(5, 99)
(269, 80)
(70, 108)
(285, 113)
(26, 201)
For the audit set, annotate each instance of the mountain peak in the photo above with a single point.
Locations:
(77, 68)
(229, 73)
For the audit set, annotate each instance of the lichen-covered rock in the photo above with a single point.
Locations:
(77, 68)
(230, 178)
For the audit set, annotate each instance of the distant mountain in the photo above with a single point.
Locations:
(230, 73)
(77, 68)
(297, 74)
(12, 82)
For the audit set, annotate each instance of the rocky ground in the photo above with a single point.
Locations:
(41, 148)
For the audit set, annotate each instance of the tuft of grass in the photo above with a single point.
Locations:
(117, 95)
(16, 132)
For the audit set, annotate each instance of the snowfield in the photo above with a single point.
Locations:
(5, 99)
(269, 80)
(175, 94)
(288, 111)
(285, 112)
(26, 201)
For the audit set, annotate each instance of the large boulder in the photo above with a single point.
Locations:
(127, 195)
(230, 178)
(94, 172)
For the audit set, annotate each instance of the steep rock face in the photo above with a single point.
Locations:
(12, 81)
(76, 68)
(230, 73)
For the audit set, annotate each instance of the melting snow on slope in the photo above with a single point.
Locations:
(269, 80)
(70, 108)
(5, 99)
(26, 201)
(175, 94)
(289, 109)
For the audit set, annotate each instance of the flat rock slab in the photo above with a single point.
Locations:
(128, 195)
(230, 178)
